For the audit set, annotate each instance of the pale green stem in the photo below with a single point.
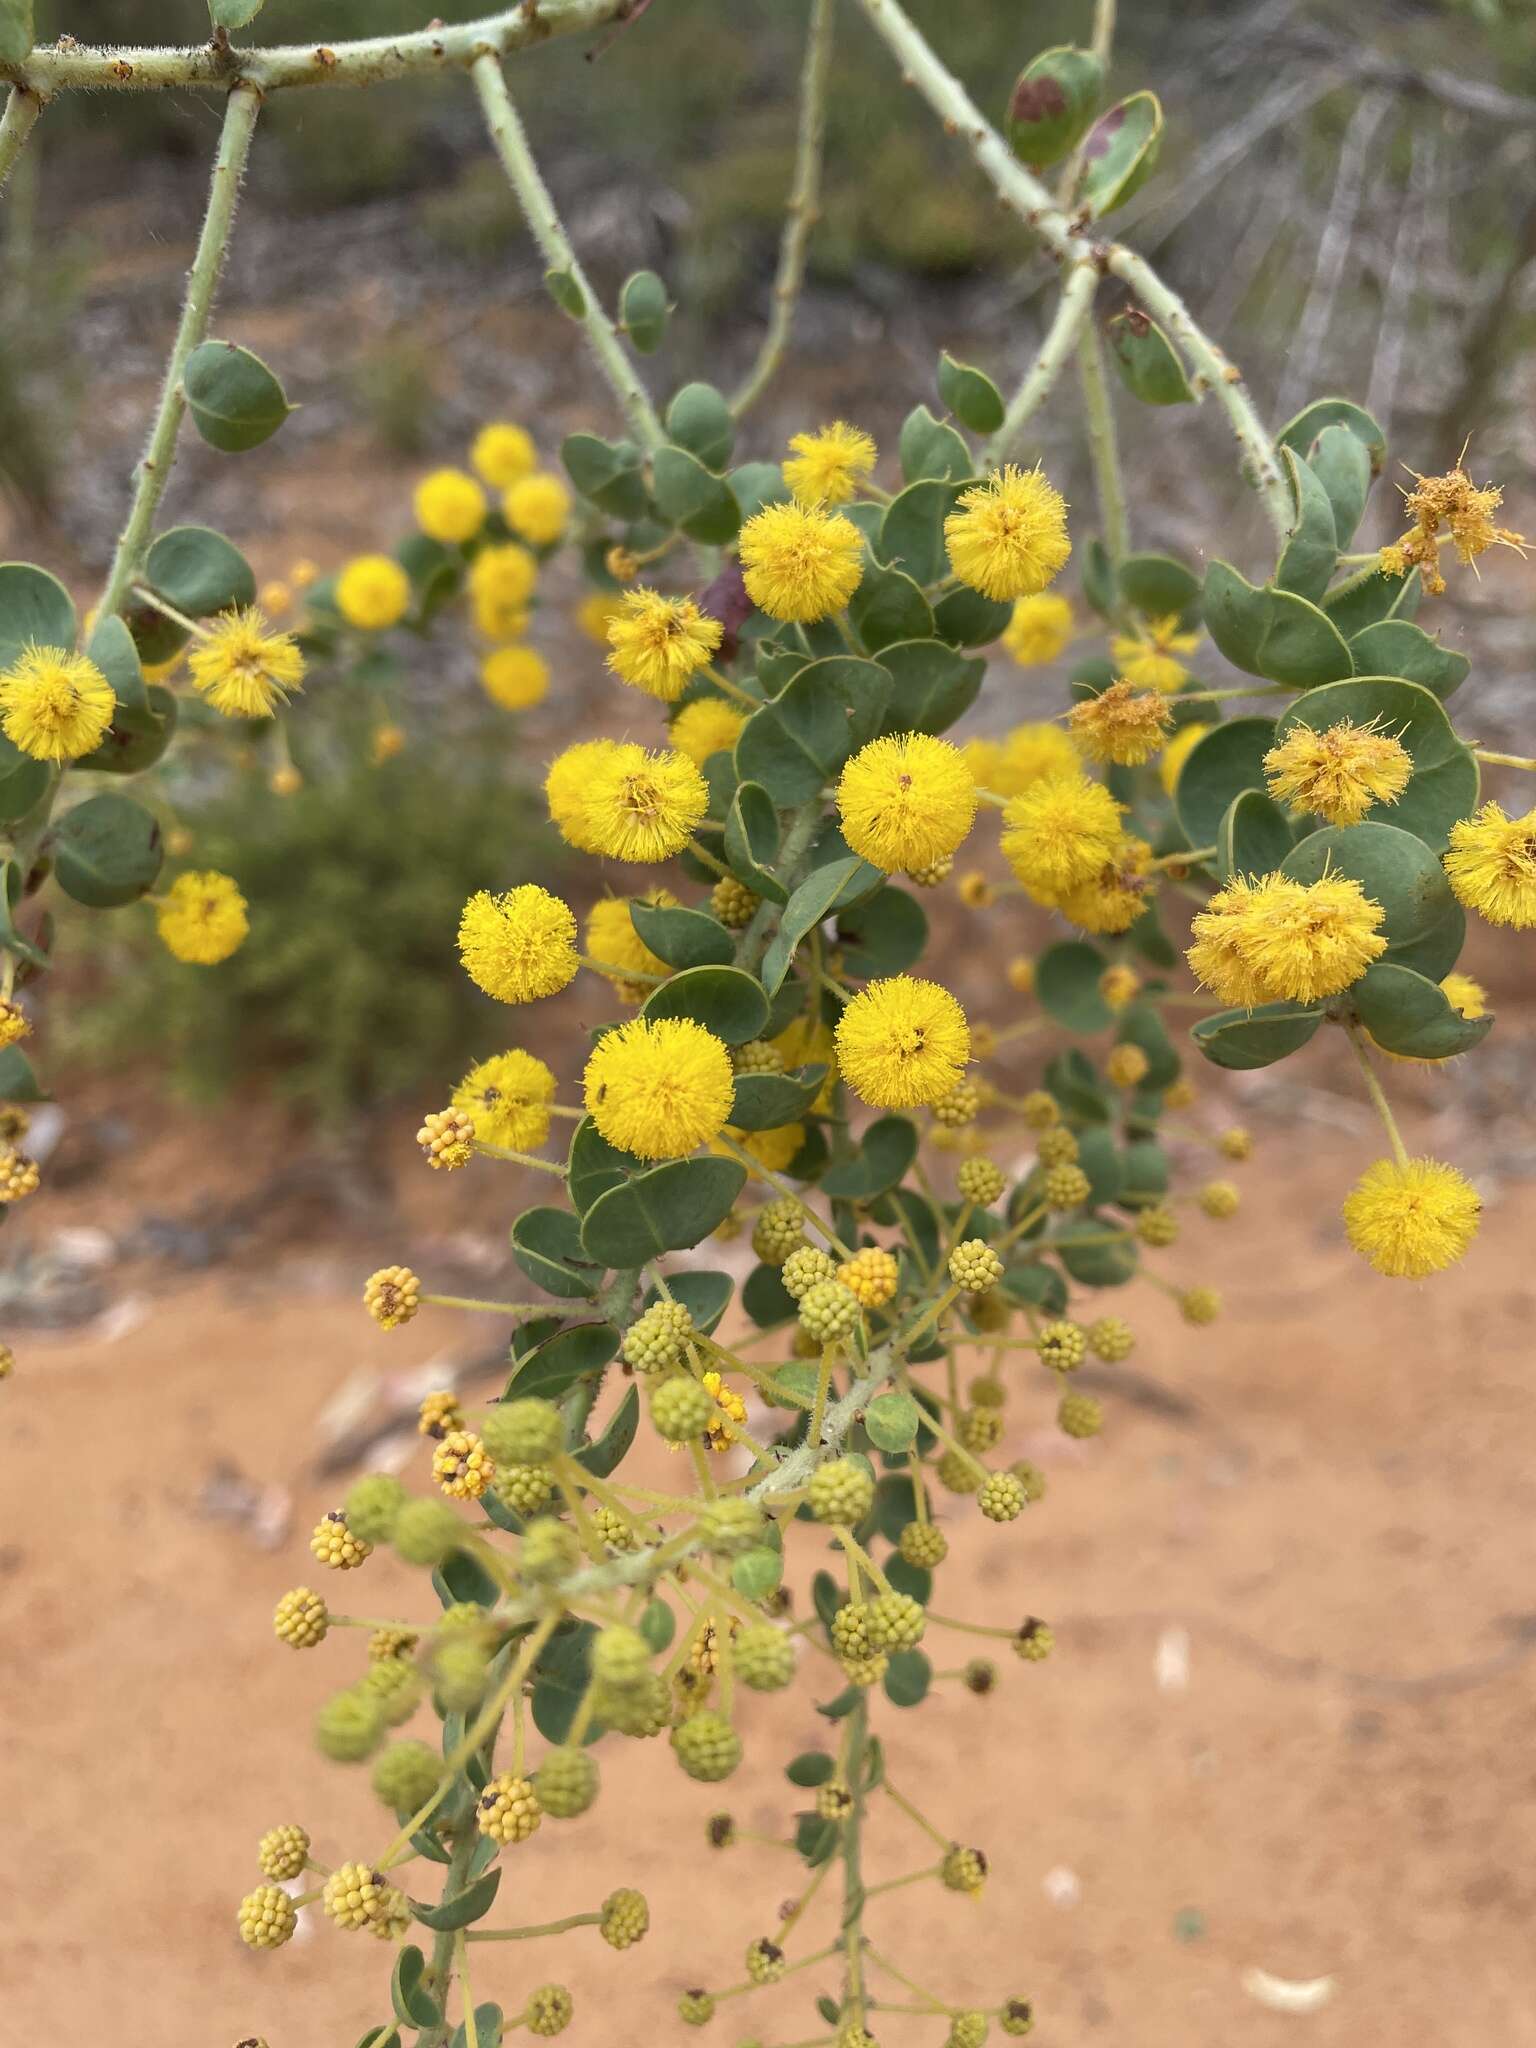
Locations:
(507, 133)
(1503, 760)
(1377, 1094)
(1104, 449)
(800, 215)
(1061, 339)
(1059, 232)
(535, 1933)
(853, 1878)
(16, 124)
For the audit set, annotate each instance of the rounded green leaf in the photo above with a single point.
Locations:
(643, 310)
(683, 938)
(566, 293)
(1243, 1039)
(758, 1574)
(756, 484)
(705, 1295)
(235, 401)
(594, 1166)
(415, 2005)
(200, 573)
(826, 888)
(1254, 836)
(465, 1907)
(1445, 775)
(1229, 760)
(107, 851)
(885, 1155)
(553, 1367)
(1147, 359)
(23, 781)
(546, 1243)
(1423, 924)
(1067, 977)
(811, 1767)
(606, 472)
(912, 531)
(1099, 1157)
(885, 934)
(892, 1421)
(970, 395)
(699, 420)
(929, 449)
(1092, 1262)
(1300, 433)
(1311, 553)
(35, 611)
(1395, 647)
(725, 1000)
(668, 1208)
(1368, 597)
(1408, 1014)
(1341, 461)
(752, 841)
(1159, 587)
(1120, 152)
(887, 607)
(795, 745)
(691, 497)
(1052, 104)
(767, 1102)
(967, 619)
(18, 1081)
(932, 685)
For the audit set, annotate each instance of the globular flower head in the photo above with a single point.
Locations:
(1121, 724)
(507, 1099)
(1059, 834)
(1149, 656)
(520, 945)
(870, 1276)
(450, 506)
(799, 563)
(618, 949)
(1115, 896)
(1491, 866)
(659, 1089)
(536, 508)
(1466, 512)
(906, 800)
(827, 467)
(373, 593)
(1007, 537)
(1337, 774)
(502, 452)
(656, 643)
(1277, 940)
(243, 670)
(202, 918)
(501, 581)
(706, 726)
(515, 678)
(901, 1042)
(1411, 1217)
(1040, 629)
(1027, 753)
(55, 705)
(635, 806)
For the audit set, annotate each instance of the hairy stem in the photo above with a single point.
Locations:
(801, 213)
(16, 124)
(853, 1878)
(1104, 449)
(1060, 339)
(511, 140)
(154, 469)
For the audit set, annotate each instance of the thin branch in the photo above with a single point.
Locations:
(1062, 236)
(1104, 448)
(803, 208)
(511, 140)
(154, 470)
(1050, 360)
(426, 53)
(16, 124)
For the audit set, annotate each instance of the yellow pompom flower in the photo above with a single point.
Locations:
(1029, 753)
(450, 507)
(617, 949)
(15, 1024)
(1112, 899)
(827, 467)
(1276, 940)
(1178, 750)
(201, 918)
(520, 945)
(1039, 631)
(709, 725)
(901, 1042)
(1149, 656)
(501, 581)
(1121, 724)
(659, 1090)
(656, 643)
(1466, 512)
(565, 786)
(55, 705)
(373, 593)
(1411, 1217)
(242, 669)
(502, 452)
(1337, 774)
(507, 1099)
(906, 801)
(1007, 537)
(642, 807)
(800, 564)
(1491, 865)
(1059, 833)
(516, 678)
(597, 611)
(537, 507)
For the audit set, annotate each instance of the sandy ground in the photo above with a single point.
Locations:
(1325, 1494)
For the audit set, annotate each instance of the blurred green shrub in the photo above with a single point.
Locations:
(349, 988)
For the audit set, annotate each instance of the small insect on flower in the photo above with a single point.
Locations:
(617, 949)
(507, 1099)
(516, 678)
(1040, 630)
(55, 705)
(641, 806)
(906, 800)
(1337, 774)
(656, 643)
(1007, 537)
(1277, 940)
(1491, 866)
(1411, 1217)
(373, 593)
(706, 726)
(659, 1089)
(901, 1042)
(202, 918)
(799, 563)
(449, 506)
(537, 508)
(502, 452)
(241, 669)
(520, 945)
(827, 467)
(1465, 511)
(1121, 724)
(1149, 656)
(1058, 834)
